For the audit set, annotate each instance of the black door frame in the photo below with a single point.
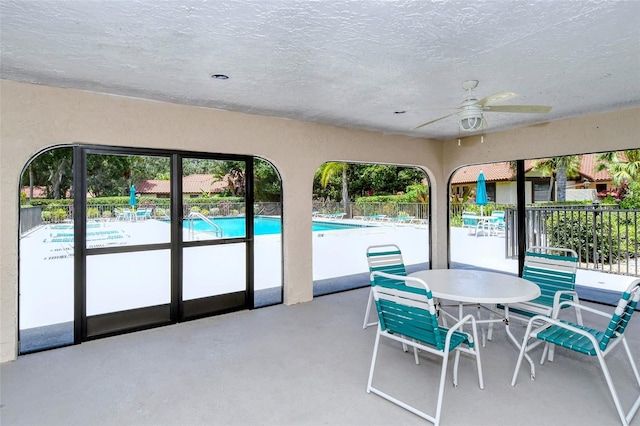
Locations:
(177, 310)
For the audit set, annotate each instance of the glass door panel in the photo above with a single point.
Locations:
(124, 281)
(214, 254)
(128, 242)
(214, 270)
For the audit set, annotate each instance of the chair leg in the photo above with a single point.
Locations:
(612, 389)
(443, 375)
(474, 331)
(636, 405)
(366, 324)
(456, 360)
(373, 362)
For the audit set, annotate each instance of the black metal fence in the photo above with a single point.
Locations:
(391, 210)
(606, 239)
(30, 217)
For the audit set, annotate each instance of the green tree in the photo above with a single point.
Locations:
(149, 167)
(232, 172)
(330, 169)
(108, 175)
(558, 168)
(622, 166)
(52, 169)
(266, 182)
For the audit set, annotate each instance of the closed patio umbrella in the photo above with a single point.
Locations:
(481, 192)
(132, 196)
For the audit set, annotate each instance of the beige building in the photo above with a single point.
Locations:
(36, 117)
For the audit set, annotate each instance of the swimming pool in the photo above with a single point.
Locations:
(235, 226)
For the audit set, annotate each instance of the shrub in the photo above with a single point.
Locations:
(59, 215)
(631, 200)
(614, 241)
(93, 212)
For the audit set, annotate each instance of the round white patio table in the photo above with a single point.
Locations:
(473, 286)
(482, 287)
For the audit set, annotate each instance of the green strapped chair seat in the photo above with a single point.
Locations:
(407, 314)
(587, 341)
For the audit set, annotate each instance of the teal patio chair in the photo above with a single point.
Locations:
(382, 258)
(554, 271)
(587, 341)
(497, 221)
(470, 220)
(407, 314)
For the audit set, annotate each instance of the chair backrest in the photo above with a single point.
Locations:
(498, 213)
(552, 269)
(469, 219)
(386, 258)
(406, 310)
(622, 314)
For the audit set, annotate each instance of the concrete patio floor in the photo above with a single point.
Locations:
(305, 364)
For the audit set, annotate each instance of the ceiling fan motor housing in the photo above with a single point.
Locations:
(470, 116)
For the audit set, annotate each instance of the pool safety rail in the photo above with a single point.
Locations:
(216, 230)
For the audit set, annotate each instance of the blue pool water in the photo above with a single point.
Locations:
(235, 226)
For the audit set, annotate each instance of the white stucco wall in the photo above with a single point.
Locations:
(36, 117)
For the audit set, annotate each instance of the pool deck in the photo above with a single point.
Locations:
(47, 258)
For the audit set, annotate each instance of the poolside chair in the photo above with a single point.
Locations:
(407, 314)
(497, 221)
(384, 258)
(588, 341)
(122, 214)
(554, 271)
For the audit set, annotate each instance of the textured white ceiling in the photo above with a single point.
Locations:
(348, 63)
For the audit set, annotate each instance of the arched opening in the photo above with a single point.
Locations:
(385, 204)
(114, 240)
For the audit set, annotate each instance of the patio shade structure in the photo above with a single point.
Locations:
(132, 196)
(481, 192)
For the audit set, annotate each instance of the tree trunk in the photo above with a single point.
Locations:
(551, 182)
(345, 191)
(561, 176)
(31, 179)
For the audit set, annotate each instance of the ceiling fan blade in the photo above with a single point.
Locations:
(530, 109)
(497, 97)
(433, 121)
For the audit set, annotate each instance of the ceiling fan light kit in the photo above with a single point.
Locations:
(470, 118)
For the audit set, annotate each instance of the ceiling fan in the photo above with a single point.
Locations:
(471, 111)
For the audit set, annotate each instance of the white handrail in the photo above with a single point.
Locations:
(198, 215)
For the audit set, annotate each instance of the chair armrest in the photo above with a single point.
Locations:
(400, 278)
(458, 325)
(556, 309)
(556, 297)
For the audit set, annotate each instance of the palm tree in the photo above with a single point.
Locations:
(620, 170)
(559, 168)
(330, 169)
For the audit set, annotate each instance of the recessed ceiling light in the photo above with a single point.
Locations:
(220, 76)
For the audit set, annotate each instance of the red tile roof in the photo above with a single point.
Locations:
(192, 184)
(496, 172)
